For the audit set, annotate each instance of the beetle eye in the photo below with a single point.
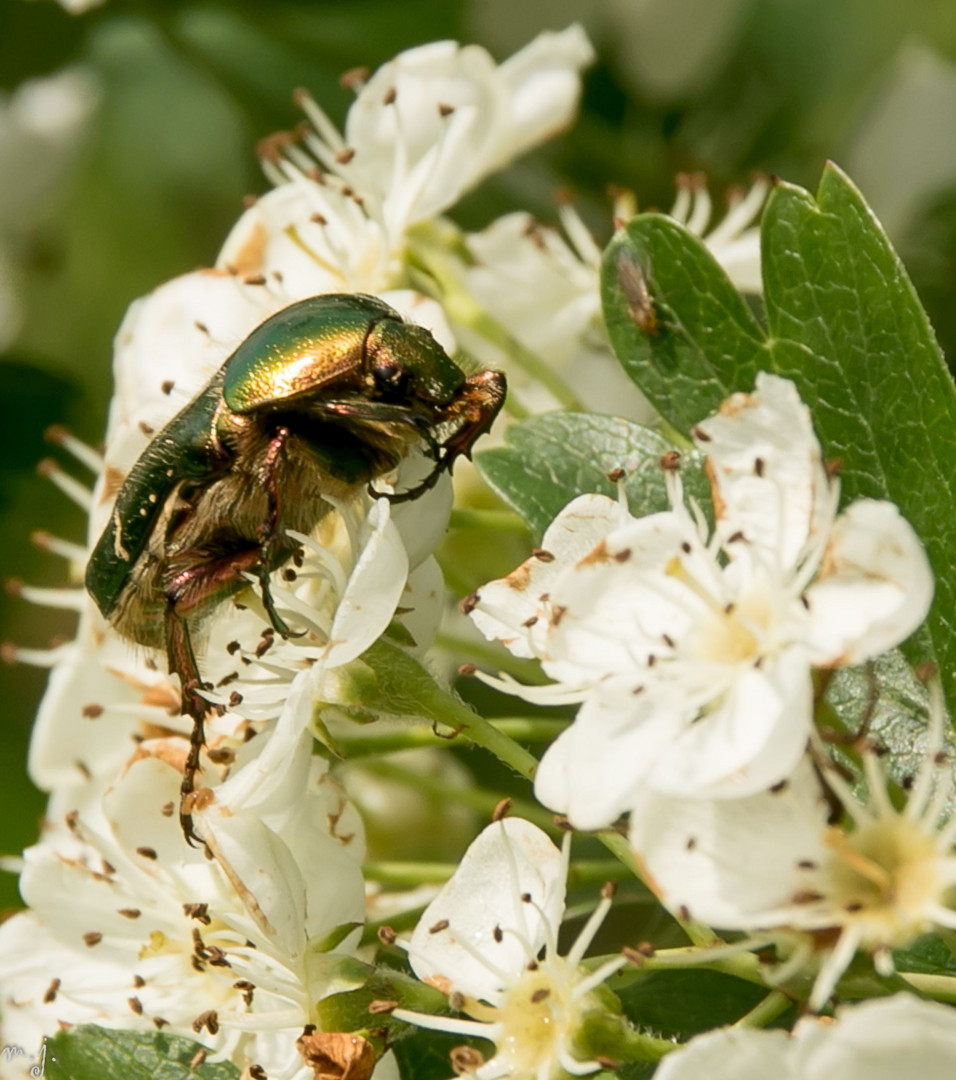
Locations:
(391, 376)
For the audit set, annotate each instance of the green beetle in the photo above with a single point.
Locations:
(319, 400)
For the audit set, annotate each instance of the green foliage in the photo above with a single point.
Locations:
(551, 459)
(94, 1053)
(843, 321)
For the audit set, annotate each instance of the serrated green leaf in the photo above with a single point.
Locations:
(848, 328)
(702, 343)
(844, 323)
(94, 1053)
(550, 459)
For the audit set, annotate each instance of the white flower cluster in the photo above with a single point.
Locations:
(692, 653)
(234, 946)
(693, 648)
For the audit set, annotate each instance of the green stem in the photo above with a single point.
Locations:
(477, 798)
(938, 987)
(485, 654)
(438, 266)
(765, 1012)
(497, 520)
(367, 742)
(743, 965)
(408, 875)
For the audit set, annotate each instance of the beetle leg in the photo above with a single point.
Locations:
(385, 412)
(272, 535)
(187, 592)
(182, 661)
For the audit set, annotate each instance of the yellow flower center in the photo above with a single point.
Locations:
(886, 876)
(538, 1016)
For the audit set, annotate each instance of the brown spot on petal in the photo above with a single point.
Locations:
(49, 995)
(113, 480)
(93, 937)
(250, 258)
(735, 404)
(720, 507)
(520, 578)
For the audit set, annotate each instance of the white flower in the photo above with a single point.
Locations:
(876, 1040)
(130, 928)
(692, 654)
(480, 940)
(735, 240)
(41, 127)
(426, 127)
(874, 882)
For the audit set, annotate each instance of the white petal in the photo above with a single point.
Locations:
(482, 903)
(879, 1040)
(749, 740)
(733, 863)
(373, 591)
(265, 875)
(312, 236)
(543, 82)
(875, 586)
(70, 727)
(505, 606)
(619, 604)
(767, 469)
(593, 770)
(732, 1054)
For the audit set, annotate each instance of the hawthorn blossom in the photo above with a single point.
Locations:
(233, 951)
(875, 1040)
(480, 941)
(542, 284)
(873, 882)
(691, 652)
(425, 128)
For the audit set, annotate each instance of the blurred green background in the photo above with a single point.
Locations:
(185, 88)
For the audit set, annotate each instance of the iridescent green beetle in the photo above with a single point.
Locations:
(320, 400)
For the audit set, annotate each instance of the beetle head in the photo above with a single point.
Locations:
(406, 362)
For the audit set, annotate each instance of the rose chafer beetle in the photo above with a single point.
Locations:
(319, 401)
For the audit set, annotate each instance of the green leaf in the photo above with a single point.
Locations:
(849, 329)
(680, 1004)
(844, 323)
(703, 342)
(551, 459)
(94, 1053)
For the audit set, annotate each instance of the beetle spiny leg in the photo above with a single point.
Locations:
(182, 662)
(279, 624)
